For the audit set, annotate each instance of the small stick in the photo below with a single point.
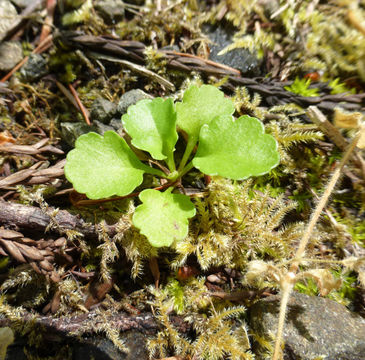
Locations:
(317, 117)
(209, 62)
(79, 103)
(48, 22)
(287, 283)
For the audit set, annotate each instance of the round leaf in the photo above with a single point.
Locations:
(236, 149)
(163, 217)
(103, 166)
(200, 106)
(152, 126)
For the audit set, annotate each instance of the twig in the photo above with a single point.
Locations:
(287, 282)
(32, 218)
(48, 21)
(67, 93)
(209, 62)
(318, 118)
(138, 68)
(83, 110)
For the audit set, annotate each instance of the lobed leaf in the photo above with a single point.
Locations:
(163, 217)
(152, 126)
(101, 167)
(236, 149)
(200, 106)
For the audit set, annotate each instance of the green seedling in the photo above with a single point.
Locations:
(340, 88)
(301, 87)
(105, 166)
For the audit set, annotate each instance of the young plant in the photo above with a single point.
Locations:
(301, 87)
(105, 166)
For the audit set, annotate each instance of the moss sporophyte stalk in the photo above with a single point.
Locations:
(105, 166)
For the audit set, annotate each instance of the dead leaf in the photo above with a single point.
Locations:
(6, 137)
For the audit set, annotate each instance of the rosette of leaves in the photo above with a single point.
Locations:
(105, 166)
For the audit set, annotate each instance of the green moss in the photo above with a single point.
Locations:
(301, 87)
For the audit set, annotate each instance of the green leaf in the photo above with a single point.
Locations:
(163, 217)
(103, 166)
(152, 126)
(200, 106)
(236, 149)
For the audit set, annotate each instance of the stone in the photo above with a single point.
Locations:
(315, 327)
(8, 15)
(111, 11)
(130, 98)
(117, 125)
(22, 3)
(71, 131)
(88, 347)
(102, 110)
(11, 53)
(98, 347)
(240, 59)
(35, 68)
(101, 128)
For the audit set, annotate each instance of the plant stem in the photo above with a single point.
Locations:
(287, 288)
(153, 171)
(288, 281)
(186, 169)
(188, 150)
(171, 162)
(322, 203)
(99, 201)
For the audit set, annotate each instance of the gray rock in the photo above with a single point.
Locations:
(117, 125)
(71, 131)
(92, 347)
(10, 54)
(98, 347)
(8, 15)
(314, 327)
(110, 10)
(130, 98)
(102, 110)
(101, 128)
(241, 59)
(22, 3)
(35, 68)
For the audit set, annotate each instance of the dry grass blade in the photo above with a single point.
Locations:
(137, 68)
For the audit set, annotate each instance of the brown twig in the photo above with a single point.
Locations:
(288, 281)
(79, 103)
(31, 218)
(48, 21)
(209, 62)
